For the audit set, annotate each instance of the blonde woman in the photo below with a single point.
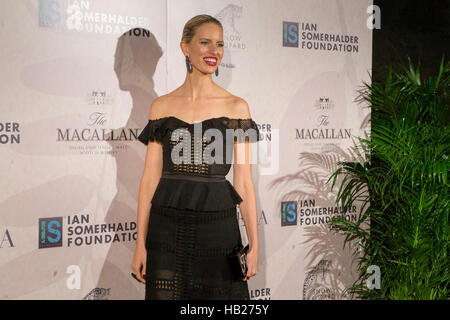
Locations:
(187, 216)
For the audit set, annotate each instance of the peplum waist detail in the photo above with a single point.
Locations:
(197, 193)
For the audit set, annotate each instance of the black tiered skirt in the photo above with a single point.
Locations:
(189, 238)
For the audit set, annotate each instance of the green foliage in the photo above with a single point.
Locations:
(403, 188)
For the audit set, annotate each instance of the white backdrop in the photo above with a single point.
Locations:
(75, 94)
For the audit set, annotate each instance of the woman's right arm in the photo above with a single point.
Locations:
(149, 181)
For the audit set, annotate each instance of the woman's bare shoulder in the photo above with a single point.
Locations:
(158, 108)
(239, 108)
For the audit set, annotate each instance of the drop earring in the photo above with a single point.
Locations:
(217, 72)
(188, 65)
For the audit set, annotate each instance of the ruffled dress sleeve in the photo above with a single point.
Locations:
(152, 131)
(244, 129)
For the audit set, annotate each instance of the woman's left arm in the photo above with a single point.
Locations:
(243, 183)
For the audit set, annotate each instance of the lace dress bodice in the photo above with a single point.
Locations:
(197, 154)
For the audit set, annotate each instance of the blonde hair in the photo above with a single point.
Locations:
(194, 23)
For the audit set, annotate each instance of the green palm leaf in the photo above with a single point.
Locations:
(402, 186)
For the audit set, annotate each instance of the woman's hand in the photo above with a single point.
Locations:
(252, 263)
(139, 263)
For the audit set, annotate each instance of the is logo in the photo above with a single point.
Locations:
(50, 232)
(50, 13)
(290, 34)
(288, 213)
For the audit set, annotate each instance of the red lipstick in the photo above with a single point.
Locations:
(211, 61)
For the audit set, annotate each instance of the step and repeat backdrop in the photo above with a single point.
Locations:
(78, 78)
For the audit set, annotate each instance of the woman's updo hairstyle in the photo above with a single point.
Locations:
(193, 23)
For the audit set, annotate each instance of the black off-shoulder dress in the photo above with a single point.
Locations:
(193, 224)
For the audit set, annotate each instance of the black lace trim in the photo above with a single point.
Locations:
(200, 252)
(162, 284)
(202, 290)
(156, 129)
(197, 218)
(184, 258)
